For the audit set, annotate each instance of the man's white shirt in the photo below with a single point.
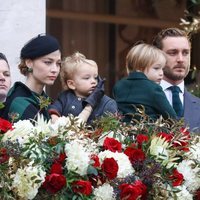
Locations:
(165, 85)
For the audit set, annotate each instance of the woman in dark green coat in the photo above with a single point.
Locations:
(40, 63)
(144, 64)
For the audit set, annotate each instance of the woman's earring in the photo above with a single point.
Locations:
(30, 70)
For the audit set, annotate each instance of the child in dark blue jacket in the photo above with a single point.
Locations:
(84, 91)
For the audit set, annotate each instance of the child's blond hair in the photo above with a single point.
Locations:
(142, 56)
(70, 65)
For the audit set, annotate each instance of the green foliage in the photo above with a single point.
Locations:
(108, 123)
(44, 102)
(1, 105)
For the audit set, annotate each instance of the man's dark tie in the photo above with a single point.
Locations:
(176, 102)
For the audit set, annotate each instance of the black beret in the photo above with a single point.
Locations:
(39, 46)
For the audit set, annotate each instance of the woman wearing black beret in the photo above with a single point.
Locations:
(40, 63)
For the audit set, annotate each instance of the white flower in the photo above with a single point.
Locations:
(160, 149)
(190, 173)
(183, 194)
(63, 122)
(68, 128)
(42, 127)
(178, 193)
(88, 144)
(26, 125)
(77, 157)
(194, 152)
(27, 181)
(104, 192)
(60, 122)
(23, 130)
(125, 167)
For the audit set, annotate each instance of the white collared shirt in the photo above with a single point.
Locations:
(165, 85)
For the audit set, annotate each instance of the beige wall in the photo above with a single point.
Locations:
(20, 21)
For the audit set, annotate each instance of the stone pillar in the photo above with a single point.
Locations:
(20, 21)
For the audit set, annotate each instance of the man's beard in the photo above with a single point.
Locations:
(168, 72)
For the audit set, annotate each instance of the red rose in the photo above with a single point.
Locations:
(95, 158)
(143, 188)
(56, 168)
(110, 168)
(112, 145)
(166, 136)
(54, 183)
(176, 177)
(133, 145)
(5, 125)
(133, 191)
(141, 138)
(82, 187)
(3, 155)
(135, 154)
(61, 158)
(130, 192)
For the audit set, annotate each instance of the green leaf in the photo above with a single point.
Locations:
(1, 105)
(92, 170)
(44, 102)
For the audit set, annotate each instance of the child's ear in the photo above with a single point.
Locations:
(71, 84)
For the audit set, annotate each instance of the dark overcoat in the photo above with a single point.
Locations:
(137, 90)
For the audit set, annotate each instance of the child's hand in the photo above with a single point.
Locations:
(94, 98)
(54, 118)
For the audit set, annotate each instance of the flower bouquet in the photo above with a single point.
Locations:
(107, 160)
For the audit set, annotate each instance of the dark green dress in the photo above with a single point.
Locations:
(137, 90)
(22, 103)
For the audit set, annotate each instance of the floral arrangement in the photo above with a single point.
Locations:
(107, 160)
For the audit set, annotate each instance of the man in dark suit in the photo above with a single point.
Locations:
(176, 44)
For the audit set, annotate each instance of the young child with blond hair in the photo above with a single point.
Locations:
(144, 64)
(84, 91)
